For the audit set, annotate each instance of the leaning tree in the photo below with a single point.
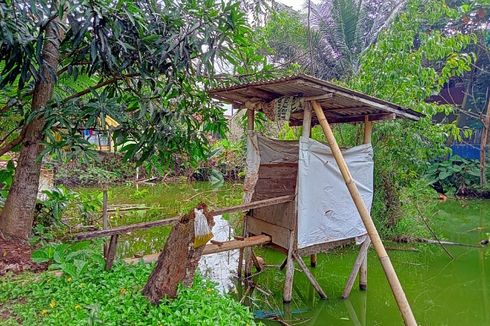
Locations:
(66, 64)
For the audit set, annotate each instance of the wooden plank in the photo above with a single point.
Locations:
(212, 248)
(282, 215)
(172, 220)
(279, 234)
(282, 170)
(323, 247)
(349, 119)
(237, 244)
(369, 102)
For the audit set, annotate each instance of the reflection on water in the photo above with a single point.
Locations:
(221, 267)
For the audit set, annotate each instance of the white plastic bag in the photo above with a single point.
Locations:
(202, 231)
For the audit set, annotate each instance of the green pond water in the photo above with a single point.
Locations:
(441, 290)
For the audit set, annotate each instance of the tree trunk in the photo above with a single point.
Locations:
(18, 213)
(483, 145)
(178, 260)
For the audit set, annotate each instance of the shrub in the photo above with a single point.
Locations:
(114, 298)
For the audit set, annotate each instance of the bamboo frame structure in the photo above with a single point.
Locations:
(395, 285)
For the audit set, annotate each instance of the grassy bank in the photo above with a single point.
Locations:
(112, 298)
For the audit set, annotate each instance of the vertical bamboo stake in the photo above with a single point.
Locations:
(307, 121)
(395, 285)
(306, 133)
(288, 282)
(244, 257)
(355, 269)
(368, 131)
(250, 119)
(105, 222)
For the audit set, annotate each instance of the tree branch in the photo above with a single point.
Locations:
(99, 85)
(7, 147)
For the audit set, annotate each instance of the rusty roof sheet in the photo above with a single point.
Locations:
(344, 105)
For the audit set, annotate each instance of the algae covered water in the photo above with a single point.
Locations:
(441, 290)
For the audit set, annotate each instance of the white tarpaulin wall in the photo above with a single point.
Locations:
(326, 211)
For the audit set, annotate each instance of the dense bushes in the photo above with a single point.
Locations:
(112, 298)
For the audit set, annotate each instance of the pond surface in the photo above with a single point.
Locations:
(441, 290)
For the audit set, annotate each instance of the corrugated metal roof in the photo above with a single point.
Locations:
(345, 105)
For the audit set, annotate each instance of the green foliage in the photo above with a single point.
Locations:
(73, 259)
(455, 174)
(49, 211)
(145, 65)
(103, 170)
(114, 298)
(89, 205)
(410, 62)
(6, 178)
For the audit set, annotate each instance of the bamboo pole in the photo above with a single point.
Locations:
(250, 119)
(306, 132)
(368, 130)
(310, 276)
(395, 285)
(355, 269)
(288, 282)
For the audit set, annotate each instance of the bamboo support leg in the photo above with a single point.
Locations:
(355, 268)
(288, 282)
(111, 252)
(393, 280)
(247, 257)
(240, 263)
(255, 261)
(363, 273)
(281, 267)
(310, 276)
(313, 259)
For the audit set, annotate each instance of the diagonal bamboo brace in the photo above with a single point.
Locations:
(395, 285)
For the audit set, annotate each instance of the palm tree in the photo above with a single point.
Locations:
(346, 28)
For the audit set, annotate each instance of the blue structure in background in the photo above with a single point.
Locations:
(467, 151)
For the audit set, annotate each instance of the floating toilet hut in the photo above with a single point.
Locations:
(331, 190)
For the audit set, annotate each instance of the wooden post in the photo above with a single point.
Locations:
(395, 285)
(288, 282)
(368, 130)
(313, 259)
(306, 133)
(363, 273)
(250, 119)
(307, 121)
(105, 222)
(310, 276)
(355, 269)
(111, 252)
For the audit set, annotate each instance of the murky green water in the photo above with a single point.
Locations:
(442, 291)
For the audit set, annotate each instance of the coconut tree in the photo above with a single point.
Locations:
(346, 28)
